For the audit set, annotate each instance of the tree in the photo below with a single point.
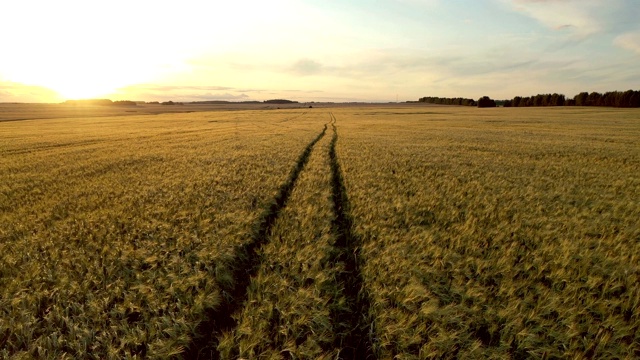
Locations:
(485, 102)
(594, 99)
(634, 101)
(581, 99)
(556, 100)
(447, 101)
(537, 100)
(625, 99)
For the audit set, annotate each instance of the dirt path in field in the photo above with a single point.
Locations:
(359, 340)
(246, 264)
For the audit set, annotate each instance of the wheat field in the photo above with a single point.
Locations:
(380, 232)
(499, 233)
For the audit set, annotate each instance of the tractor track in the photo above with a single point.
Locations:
(246, 264)
(355, 327)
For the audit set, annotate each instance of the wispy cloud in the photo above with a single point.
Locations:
(579, 17)
(17, 92)
(179, 93)
(629, 41)
(423, 3)
(159, 88)
(219, 96)
(150, 92)
(306, 67)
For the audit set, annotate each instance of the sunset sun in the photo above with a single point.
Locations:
(82, 87)
(79, 75)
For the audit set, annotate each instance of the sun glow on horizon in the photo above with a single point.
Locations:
(80, 50)
(81, 90)
(83, 52)
(76, 80)
(88, 69)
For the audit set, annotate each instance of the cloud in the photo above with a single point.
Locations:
(17, 92)
(220, 96)
(161, 92)
(306, 67)
(151, 87)
(541, 1)
(580, 17)
(386, 64)
(629, 41)
(561, 27)
(179, 93)
(422, 3)
(150, 92)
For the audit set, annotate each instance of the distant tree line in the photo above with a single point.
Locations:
(280, 101)
(222, 102)
(101, 102)
(89, 102)
(626, 99)
(629, 98)
(537, 100)
(448, 101)
(484, 101)
(125, 103)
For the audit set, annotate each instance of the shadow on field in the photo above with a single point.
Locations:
(245, 265)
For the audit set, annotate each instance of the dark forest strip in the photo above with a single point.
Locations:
(355, 329)
(245, 265)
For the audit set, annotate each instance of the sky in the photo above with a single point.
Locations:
(315, 50)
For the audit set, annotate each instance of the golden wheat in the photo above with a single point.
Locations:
(431, 232)
(118, 233)
(498, 233)
(289, 300)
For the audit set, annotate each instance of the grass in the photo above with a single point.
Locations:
(406, 233)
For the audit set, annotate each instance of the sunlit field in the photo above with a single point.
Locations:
(497, 233)
(118, 233)
(403, 231)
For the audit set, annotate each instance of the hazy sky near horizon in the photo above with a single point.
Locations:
(316, 50)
